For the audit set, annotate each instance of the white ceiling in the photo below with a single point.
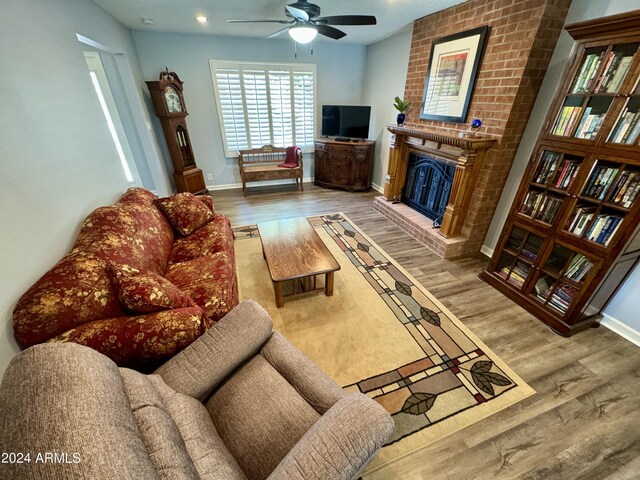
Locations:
(179, 15)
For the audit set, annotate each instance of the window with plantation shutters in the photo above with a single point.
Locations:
(260, 104)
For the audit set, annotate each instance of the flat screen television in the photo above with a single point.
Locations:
(345, 121)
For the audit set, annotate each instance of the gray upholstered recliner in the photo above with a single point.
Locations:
(239, 403)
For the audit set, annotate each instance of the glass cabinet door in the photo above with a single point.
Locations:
(518, 257)
(561, 277)
(599, 80)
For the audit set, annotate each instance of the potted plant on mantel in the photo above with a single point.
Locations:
(402, 107)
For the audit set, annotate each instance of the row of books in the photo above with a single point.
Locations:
(604, 228)
(546, 167)
(616, 67)
(566, 120)
(588, 70)
(599, 181)
(578, 222)
(562, 297)
(626, 189)
(627, 129)
(589, 125)
(578, 268)
(614, 72)
(518, 274)
(541, 206)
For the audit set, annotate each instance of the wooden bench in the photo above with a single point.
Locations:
(260, 164)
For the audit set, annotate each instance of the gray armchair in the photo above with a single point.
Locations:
(238, 403)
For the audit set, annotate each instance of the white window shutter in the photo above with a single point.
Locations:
(261, 104)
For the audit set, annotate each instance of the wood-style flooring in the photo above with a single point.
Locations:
(583, 422)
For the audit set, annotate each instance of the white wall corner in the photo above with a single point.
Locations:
(488, 251)
(377, 187)
(622, 329)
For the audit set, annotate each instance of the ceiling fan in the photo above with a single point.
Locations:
(305, 22)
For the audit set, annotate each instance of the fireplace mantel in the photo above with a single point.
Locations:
(465, 152)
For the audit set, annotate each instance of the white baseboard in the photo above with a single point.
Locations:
(622, 329)
(487, 251)
(377, 187)
(231, 186)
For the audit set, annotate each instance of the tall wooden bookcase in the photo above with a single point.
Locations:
(573, 235)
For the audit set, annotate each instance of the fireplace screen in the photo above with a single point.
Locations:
(428, 185)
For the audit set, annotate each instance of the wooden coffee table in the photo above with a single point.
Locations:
(293, 250)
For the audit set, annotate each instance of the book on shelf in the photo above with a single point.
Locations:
(562, 297)
(587, 73)
(620, 72)
(628, 181)
(634, 132)
(541, 206)
(599, 181)
(519, 274)
(546, 167)
(627, 129)
(604, 228)
(631, 193)
(580, 219)
(548, 209)
(578, 268)
(566, 120)
(589, 125)
(606, 71)
(567, 174)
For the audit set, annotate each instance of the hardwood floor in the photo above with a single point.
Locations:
(583, 422)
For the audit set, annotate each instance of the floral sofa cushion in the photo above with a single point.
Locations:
(216, 236)
(209, 280)
(75, 300)
(142, 291)
(185, 212)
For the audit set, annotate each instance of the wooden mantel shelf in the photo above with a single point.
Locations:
(480, 142)
(465, 152)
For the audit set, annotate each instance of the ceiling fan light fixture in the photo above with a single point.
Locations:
(303, 34)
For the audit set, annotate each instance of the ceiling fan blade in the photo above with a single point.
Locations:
(297, 13)
(347, 20)
(279, 32)
(259, 21)
(330, 32)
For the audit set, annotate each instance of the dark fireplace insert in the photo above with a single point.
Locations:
(428, 185)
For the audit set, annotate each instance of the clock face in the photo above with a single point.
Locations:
(172, 99)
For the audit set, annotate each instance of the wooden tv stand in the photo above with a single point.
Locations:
(345, 165)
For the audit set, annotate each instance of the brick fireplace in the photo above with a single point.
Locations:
(464, 155)
(522, 36)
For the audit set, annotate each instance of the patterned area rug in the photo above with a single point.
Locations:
(385, 335)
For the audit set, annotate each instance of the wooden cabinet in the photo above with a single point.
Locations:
(573, 235)
(344, 165)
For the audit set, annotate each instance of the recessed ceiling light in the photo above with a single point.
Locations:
(147, 21)
(202, 19)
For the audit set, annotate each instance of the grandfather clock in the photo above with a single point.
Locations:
(168, 103)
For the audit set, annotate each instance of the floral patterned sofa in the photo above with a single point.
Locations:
(79, 301)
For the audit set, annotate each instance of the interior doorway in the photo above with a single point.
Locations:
(114, 120)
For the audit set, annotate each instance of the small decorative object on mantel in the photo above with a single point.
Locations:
(168, 103)
(451, 76)
(474, 129)
(402, 107)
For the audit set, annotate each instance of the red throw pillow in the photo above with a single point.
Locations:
(142, 291)
(185, 212)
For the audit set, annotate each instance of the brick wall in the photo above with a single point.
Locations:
(522, 37)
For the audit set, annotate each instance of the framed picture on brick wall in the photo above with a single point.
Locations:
(451, 76)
